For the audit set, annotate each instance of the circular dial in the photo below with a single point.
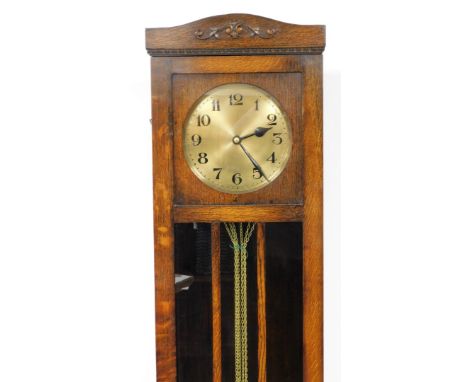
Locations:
(237, 139)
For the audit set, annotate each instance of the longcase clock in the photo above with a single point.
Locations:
(237, 159)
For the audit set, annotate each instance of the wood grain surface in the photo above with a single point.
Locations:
(250, 213)
(313, 221)
(237, 64)
(216, 300)
(261, 304)
(163, 224)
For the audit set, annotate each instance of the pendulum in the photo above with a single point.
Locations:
(240, 238)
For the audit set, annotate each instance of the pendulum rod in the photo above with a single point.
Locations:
(240, 238)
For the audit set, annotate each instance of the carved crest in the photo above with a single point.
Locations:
(235, 30)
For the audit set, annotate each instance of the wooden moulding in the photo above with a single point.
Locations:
(250, 213)
(235, 34)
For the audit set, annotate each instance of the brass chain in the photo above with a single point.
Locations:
(240, 242)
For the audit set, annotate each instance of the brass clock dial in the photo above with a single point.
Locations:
(237, 138)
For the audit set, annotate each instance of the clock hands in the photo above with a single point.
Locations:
(259, 132)
(254, 162)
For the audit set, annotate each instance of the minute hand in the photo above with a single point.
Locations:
(255, 163)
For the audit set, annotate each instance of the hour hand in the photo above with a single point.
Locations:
(259, 132)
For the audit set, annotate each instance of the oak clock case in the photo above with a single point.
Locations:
(237, 144)
(237, 138)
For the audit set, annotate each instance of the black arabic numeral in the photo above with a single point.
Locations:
(256, 105)
(272, 158)
(196, 140)
(203, 120)
(215, 104)
(271, 119)
(202, 158)
(236, 178)
(236, 99)
(277, 140)
(219, 169)
(256, 173)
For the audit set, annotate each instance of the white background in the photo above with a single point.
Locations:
(76, 269)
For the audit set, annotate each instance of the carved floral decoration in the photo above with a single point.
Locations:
(235, 30)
